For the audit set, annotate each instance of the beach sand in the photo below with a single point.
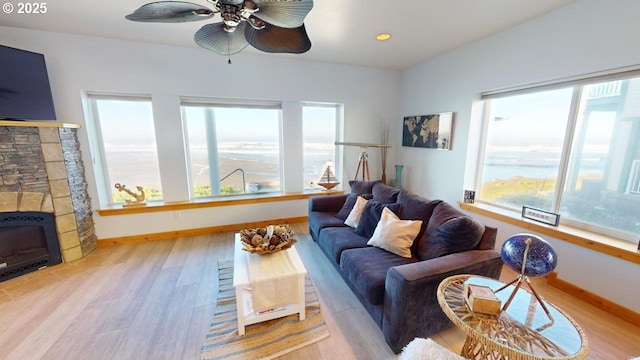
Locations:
(144, 172)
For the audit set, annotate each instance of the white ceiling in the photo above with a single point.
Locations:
(341, 31)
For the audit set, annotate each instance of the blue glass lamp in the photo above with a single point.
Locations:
(529, 255)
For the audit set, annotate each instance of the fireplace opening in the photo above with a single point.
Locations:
(28, 242)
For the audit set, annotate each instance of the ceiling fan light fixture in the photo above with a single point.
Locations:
(383, 36)
(229, 28)
(273, 26)
(229, 17)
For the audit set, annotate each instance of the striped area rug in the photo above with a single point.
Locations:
(265, 340)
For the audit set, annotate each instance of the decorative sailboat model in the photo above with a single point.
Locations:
(328, 179)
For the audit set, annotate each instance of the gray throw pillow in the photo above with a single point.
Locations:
(362, 187)
(371, 216)
(448, 231)
(384, 193)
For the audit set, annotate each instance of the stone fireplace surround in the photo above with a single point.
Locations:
(41, 169)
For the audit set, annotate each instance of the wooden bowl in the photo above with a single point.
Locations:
(267, 240)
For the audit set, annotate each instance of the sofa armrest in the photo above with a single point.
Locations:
(411, 306)
(438, 269)
(327, 203)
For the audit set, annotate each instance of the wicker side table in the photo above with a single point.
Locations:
(522, 332)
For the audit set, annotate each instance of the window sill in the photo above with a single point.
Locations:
(157, 206)
(608, 245)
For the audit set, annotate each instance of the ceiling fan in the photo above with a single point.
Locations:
(273, 26)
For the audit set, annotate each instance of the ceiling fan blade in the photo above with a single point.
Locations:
(275, 39)
(213, 37)
(283, 13)
(170, 12)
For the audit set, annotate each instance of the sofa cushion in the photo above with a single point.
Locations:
(384, 194)
(395, 235)
(415, 207)
(348, 205)
(367, 268)
(448, 231)
(319, 220)
(327, 203)
(356, 213)
(371, 216)
(362, 187)
(334, 240)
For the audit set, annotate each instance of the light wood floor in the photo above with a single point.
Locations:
(154, 300)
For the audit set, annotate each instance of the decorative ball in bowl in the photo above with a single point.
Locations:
(267, 240)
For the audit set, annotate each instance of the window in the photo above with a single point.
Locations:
(524, 146)
(570, 148)
(319, 137)
(232, 148)
(200, 148)
(130, 157)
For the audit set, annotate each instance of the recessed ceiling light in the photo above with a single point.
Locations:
(383, 37)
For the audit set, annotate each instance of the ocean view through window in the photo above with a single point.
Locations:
(232, 150)
(569, 150)
(206, 148)
(126, 130)
(524, 141)
(319, 136)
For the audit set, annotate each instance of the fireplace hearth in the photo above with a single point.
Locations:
(28, 242)
(41, 171)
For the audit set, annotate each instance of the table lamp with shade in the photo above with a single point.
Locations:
(529, 255)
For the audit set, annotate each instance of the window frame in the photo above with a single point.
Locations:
(204, 103)
(98, 151)
(174, 172)
(577, 83)
(337, 160)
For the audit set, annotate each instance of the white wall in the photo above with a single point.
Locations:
(82, 63)
(587, 36)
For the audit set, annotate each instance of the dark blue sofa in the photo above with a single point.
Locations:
(400, 293)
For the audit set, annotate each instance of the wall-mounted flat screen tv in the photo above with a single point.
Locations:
(25, 93)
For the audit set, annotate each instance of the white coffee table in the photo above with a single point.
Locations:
(242, 285)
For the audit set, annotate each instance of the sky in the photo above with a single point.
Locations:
(127, 120)
(512, 118)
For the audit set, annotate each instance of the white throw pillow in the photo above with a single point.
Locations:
(354, 216)
(395, 235)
